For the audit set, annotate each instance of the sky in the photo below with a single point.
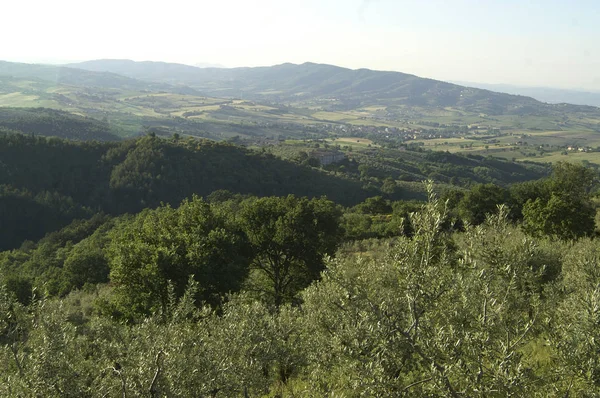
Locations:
(547, 43)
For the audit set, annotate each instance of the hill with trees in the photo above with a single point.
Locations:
(55, 123)
(75, 77)
(192, 306)
(167, 266)
(269, 104)
(310, 81)
(75, 179)
(128, 176)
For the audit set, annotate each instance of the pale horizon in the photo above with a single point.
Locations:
(549, 43)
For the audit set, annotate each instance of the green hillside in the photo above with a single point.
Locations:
(346, 87)
(54, 123)
(66, 178)
(305, 102)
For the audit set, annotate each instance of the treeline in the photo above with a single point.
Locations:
(273, 246)
(55, 123)
(559, 205)
(489, 311)
(70, 258)
(129, 176)
(442, 167)
(388, 168)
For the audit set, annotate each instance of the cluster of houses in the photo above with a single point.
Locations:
(580, 149)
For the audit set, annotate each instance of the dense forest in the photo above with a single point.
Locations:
(171, 267)
(56, 181)
(175, 266)
(207, 301)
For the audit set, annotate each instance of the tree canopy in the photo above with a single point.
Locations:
(290, 236)
(165, 247)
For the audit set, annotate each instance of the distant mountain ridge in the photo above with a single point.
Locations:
(82, 77)
(544, 94)
(310, 81)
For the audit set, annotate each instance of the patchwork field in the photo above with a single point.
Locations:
(133, 111)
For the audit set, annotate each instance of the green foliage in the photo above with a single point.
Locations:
(575, 336)
(166, 246)
(563, 209)
(50, 122)
(480, 201)
(492, 311)
(289, 236)
(51, 182)
(489, 312)
(421, 323)
(374, 205)
(20, 288)
(194, 352)
(562, 217)
(63, 260)
(28, 216)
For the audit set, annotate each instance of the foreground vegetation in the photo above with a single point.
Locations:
(489, 311)
(243, 296)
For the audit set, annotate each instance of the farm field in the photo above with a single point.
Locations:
(133, 110)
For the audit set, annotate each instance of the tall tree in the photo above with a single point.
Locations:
(290, 236)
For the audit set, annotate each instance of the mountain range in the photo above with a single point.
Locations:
(80, 77)
(544, 94)
(288, 83)
(277, 102)
(319, 82)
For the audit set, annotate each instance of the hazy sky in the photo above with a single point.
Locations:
(526, 42)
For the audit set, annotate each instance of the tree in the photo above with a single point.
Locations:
(389, 186)
(424, 321)
(576, 337)
(573, 179)
(289, 237)
(481, 200)
(560, 205)
(562, 216)
(165, 247)
(374, 205)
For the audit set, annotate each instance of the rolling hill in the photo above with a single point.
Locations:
(81, 77)
(545, 94)
(269, 104)
(46, 183)
(343, 87)
(55, 123)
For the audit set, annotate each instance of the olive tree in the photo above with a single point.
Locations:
(431, 319)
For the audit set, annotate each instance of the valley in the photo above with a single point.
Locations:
(189, 101)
